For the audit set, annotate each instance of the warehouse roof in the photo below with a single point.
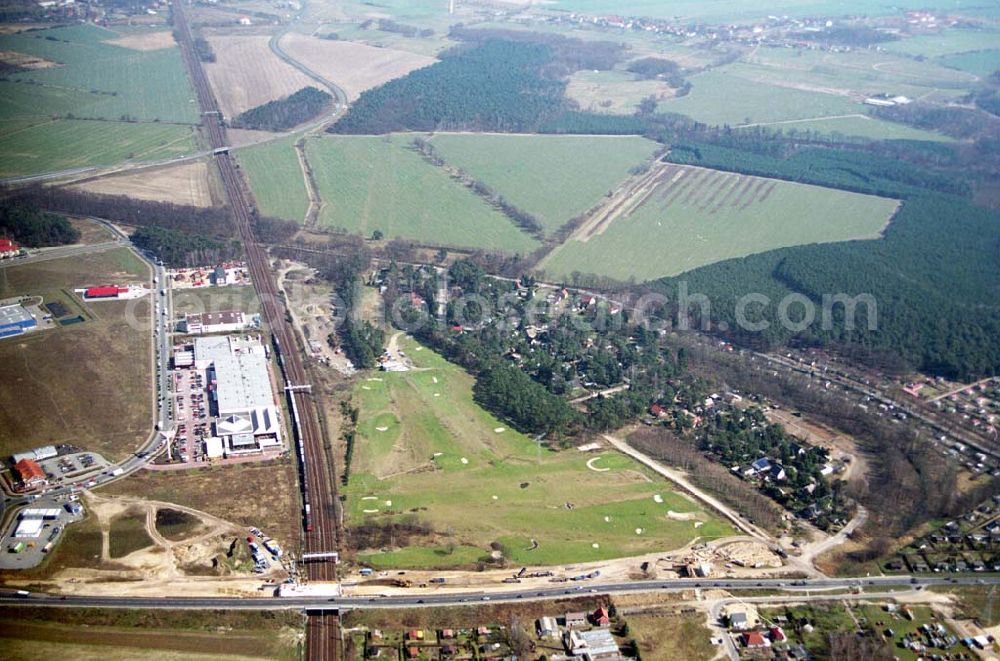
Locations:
(242, 382)
(14, 314)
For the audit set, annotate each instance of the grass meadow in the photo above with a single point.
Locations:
(552, 177)
(60, 384)
(67, 144)
(949, 41)
(276, 179)
(380, 183)
(41, 109)
(690, 217)
(980, 63)
(424, 446)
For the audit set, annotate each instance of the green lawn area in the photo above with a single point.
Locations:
(276, 179)
(554, 178)
(695, 216)
(370, 183)
(67, 144)
(145, 85)
(424, 446)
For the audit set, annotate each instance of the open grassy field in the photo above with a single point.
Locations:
(370, 183)
(955, 40)
(677, 218)
(276, 179)
(613, 91)
(354, 67)
(741, 11)
(31, 633)
(215, 299)
(980, 63)
(144, 85)
(128, 534)
(424, 446)
(68, 143)
(60, 385)
(89, 78)
(665, 637)
(739, 96)
(263, 494)
(554, 178)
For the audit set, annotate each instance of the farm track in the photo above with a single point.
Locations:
(325, 537)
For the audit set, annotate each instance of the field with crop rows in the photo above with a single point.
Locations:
(551, 177)
(380, 183)
(425, 446)
(676, 218)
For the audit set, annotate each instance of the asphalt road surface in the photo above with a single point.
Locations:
(875, 583)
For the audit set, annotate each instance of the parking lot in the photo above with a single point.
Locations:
(192, 415)
(78, 468)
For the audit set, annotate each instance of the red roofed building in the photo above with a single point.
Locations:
(105, 292)
(30, 472)
(600, 617)
(8, 248)
(658, 411)
(753, 639)
(777, 635)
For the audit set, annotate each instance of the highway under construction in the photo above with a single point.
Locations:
(320, 520)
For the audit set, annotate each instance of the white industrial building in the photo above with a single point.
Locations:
(242, 394)
(227, 321)
(38, 454)
(32, 521)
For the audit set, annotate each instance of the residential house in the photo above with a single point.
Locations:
(600, 617)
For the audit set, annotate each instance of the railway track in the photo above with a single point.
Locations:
(319, 492)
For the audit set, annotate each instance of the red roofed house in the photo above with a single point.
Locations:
(412, 652)
(30, 472)
(777, 635)
(600, 617)
(8, 248)
(658, 411)
(753, 639)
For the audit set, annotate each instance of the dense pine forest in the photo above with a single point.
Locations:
(935, 275)
(32, 228)
(285, 113)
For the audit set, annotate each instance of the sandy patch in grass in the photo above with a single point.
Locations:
(22, 61)
(354, 67)
(187, 183)
(146, 41)
(246, 73)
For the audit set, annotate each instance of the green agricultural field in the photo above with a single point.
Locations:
(144, 85)
(980, 63)
(372, 183)
(729, 11)
(73, 143)
(946, 43)
(554, 178)
(730, 96)
(424, 446)
(195, 300)
(276, 179)
(677, 218)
